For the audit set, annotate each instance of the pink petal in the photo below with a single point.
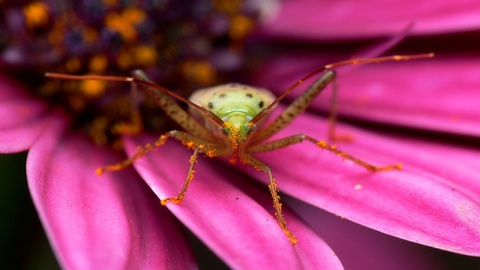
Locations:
(107, 222)
(433, 200)
(220, 209)
(437, 94)
(361, 19)
(359, 247)
(22, 117)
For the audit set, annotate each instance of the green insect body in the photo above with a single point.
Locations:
(236, 104)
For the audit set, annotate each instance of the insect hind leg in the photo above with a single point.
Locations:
(294, 139)
(373, 168)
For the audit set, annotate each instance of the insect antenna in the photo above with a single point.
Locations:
(325, 68)
(205, 112)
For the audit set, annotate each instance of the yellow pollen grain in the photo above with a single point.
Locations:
(201, 72)
(134, 15)
(73, 65)
(36, 14)
(124, 60)
(93, 88)
(211, 153)
(98, 63)
(240, 26)
(322, 143)
(160, 143)
(145, 56)
(190, 145)
(117, 23)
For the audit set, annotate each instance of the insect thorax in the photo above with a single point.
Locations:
(236, 104)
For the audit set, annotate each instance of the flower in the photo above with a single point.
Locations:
(116, 220)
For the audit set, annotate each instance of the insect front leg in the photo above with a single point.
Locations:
(199, 146)
(181, 194)
(274, 192)
(296, 107)
(185, 138)
(173, 110)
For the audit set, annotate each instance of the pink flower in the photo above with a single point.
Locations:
(422, 114)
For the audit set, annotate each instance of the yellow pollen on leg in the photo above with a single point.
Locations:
(191, 145)
(211, 153)
(322, 143)
(161, 142)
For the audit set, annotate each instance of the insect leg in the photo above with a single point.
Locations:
(173, 110)
(185, 138)
(181, 195)
(284, 142)
(135, 124)
(296, 107)
(274, 192)
(333, 116)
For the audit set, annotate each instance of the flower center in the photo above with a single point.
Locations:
(181, 47)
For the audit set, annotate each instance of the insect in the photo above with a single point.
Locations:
(228, 120)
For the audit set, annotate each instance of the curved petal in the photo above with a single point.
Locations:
(220, 209)
(23, 118)
(433, 200)
(359, 247)
(113, 221)
(437, 94)
(312, 19)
